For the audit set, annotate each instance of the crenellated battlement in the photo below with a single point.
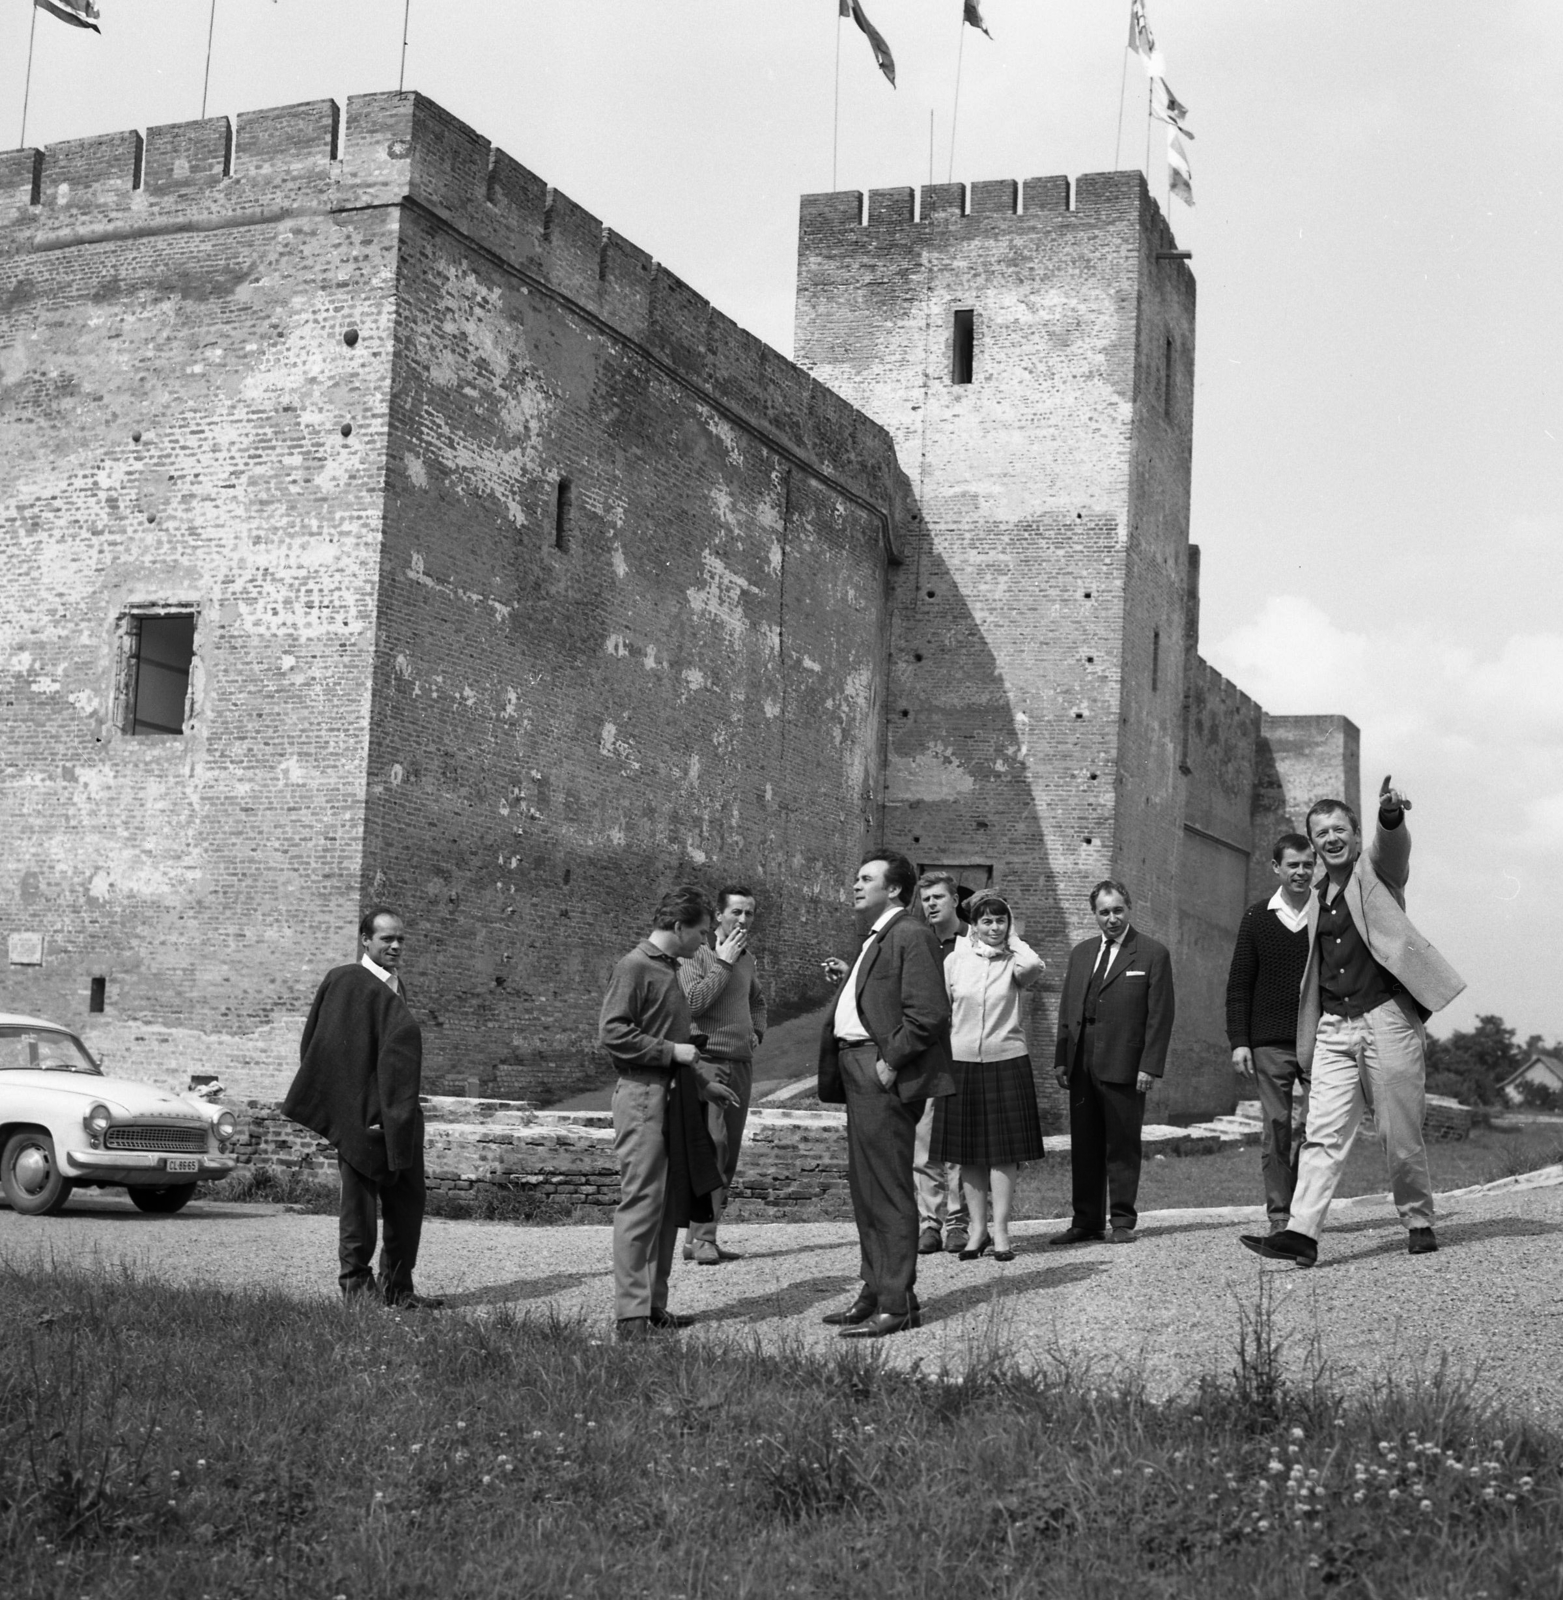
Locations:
(850, 218)
(391, 150)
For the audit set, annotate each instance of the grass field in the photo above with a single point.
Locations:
(171, 1442)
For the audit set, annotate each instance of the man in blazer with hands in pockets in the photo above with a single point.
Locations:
(885, 1051)
(1114, 1024)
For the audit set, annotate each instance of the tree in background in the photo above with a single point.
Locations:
(1470, 1065)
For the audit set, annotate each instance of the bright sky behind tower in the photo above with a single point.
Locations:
(1378, 488)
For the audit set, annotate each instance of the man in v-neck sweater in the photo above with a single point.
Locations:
(1262, 989)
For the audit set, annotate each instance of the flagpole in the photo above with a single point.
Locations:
(1123, 90)
(835, 127)
(1150, 106)
(27, 87)
(930, 147)
(960, 56)
(211, 28)
(401, 80)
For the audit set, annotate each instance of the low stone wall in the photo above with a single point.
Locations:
(789, 1157)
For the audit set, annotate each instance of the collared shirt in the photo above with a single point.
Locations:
(644, 1012)
(1104, 963)
(1291, 919)
(1351, 982)
(848, 1024)
(389, 979)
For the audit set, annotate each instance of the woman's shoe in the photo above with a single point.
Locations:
(1003, 1255)
(982, 1247)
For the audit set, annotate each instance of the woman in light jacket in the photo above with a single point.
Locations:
(990, 1124)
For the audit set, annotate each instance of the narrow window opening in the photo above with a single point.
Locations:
(564, 515)
(1166, 378)
(99, 991)
(1156, 659)
(159, 651)
(964, 346)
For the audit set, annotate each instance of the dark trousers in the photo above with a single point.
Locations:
(1104, 1148)
(1276, 1072)
(881, 1134)
(400, 1206)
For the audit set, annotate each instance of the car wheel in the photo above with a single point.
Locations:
(162, 1202)
(31, 1177)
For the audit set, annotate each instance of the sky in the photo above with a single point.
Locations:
(1378, 485)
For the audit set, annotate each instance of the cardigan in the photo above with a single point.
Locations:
(987, 1023)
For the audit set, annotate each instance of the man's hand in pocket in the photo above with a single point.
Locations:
(884, 1074)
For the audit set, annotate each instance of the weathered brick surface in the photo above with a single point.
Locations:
(403, 688)
(1300, 760)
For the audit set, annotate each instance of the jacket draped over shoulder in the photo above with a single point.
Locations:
(360, 1073)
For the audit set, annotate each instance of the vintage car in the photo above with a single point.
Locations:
(64, 1126)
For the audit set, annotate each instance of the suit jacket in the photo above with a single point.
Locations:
(360, 1071)
(1376, 897)
(1133, 1014)
(902, 1000)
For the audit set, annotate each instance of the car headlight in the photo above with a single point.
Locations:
(226, 1126)
(98, 1118)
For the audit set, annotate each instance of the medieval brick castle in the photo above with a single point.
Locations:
(380, 524)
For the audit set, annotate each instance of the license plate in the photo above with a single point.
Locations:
(182, 1164)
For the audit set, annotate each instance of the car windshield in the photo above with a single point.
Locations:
(43, 1050)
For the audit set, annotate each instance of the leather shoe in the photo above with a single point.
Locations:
(929, 1243)
(1077, 1236)
(1422, 1242)
(1124, 1236)
(955, 1241)
(1284, 1246)
(705, 1253)
(883, 1323)
(415, 1302)
(860, 1310)
(665, 1321)
(630, 1329)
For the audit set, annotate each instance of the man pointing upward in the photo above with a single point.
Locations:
(1370, 982)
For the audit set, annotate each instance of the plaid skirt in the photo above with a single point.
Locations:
(991, 1120)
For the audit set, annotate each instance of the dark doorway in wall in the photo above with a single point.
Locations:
(159, 651)
(98, 995)
(564, 514)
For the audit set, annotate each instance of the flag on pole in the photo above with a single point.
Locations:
(1143, 42)
(974, 16)
(79, 13)
(1180, 181)
(876, 40)
(1173, 110)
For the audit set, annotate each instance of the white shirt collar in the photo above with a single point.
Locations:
(389, 979)
(884, 917)
(1292, 920)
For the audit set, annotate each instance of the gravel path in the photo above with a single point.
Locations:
(1491, 1299)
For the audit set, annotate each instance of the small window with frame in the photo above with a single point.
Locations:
(157, 657)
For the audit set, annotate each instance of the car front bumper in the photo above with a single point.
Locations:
(139, 1167)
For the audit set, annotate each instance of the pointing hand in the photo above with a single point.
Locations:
(1390, 798)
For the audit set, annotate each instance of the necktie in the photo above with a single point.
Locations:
(1093, 989)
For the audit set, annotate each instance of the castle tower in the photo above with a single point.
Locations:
(1031, 351)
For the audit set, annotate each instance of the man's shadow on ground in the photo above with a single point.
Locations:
(797, 1299)
(521, 1289)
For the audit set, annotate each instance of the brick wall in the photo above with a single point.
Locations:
(175, 380)
(1299, 760)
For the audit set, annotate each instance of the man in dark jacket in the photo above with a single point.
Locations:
(1114, 1025)
(885, 1050)
(1268, 959)
(361, 1064)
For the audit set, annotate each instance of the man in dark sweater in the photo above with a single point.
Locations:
(657, 1122)
(1262, 989)
(360, 1071)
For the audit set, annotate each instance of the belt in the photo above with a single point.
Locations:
(853, 1044)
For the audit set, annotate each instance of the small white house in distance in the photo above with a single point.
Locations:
(1540, 1071)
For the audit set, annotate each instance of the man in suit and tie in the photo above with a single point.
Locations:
(1114, 1024)
(1371, 982)
(885, 1051)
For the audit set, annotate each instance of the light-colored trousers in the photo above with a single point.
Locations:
(643, 1240)
(1380, 1060)
(727, 1125)
(941, 1202)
